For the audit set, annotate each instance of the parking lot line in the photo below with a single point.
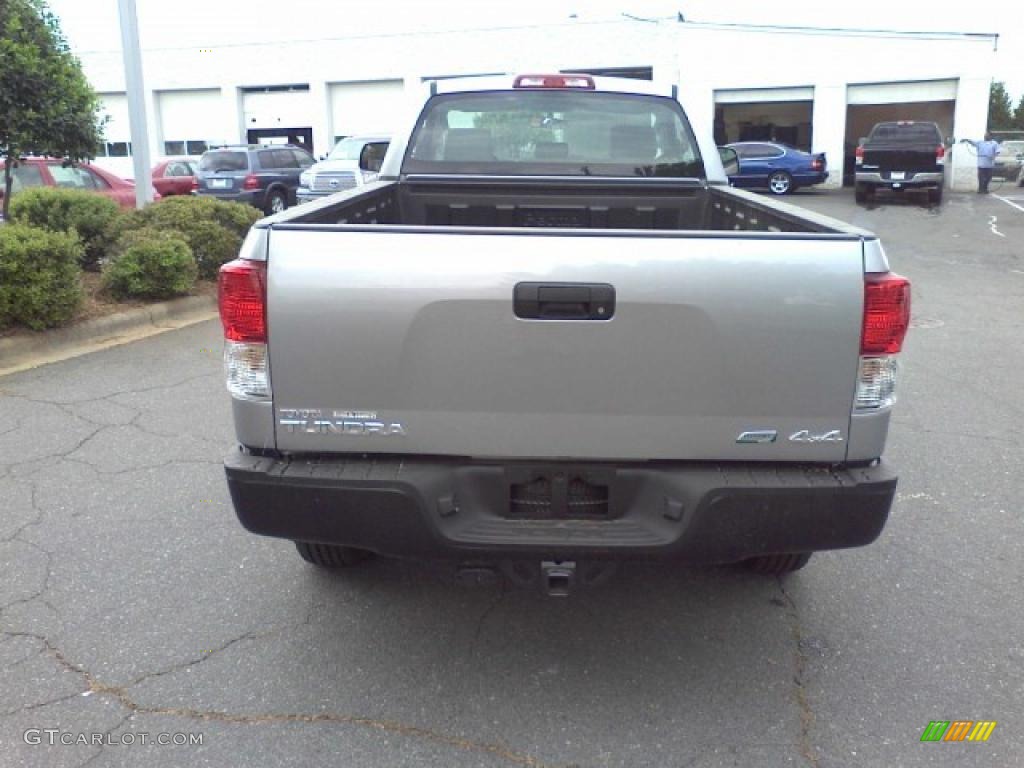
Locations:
(1009, 202)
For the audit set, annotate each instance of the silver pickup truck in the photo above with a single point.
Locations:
(551, 334)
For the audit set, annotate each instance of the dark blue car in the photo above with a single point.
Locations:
(777, 167)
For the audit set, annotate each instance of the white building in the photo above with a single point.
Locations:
(818, 89)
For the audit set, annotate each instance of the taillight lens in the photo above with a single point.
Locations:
(885, 323)
(195, 184)
(250, 182)
(886, 313)
(859, 155)
(242, 295)
(940, 152)
(876, 383)
(817, 164)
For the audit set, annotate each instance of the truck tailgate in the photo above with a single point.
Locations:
(407, 342)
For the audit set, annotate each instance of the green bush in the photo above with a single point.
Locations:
(91, 216)
(40, 280)
(150, 264)
(213, 229)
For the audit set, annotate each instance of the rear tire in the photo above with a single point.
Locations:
(331, 555)
(862, 193)
(935, 196)
(777, 565)
(277, 201)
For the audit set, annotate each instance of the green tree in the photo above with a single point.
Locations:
(47, 107)
(1000, 108)
(1018, 115)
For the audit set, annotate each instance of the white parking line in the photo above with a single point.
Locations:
(992, 226)
(1009, 202)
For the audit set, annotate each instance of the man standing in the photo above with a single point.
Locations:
(987, 151)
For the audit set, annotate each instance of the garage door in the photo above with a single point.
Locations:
(366, 107)
(191, 121)
(765, 114)
(931, 101)
(115, 107)
(901, 93)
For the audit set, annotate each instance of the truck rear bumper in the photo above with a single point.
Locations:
(918, 179)
(698, 513)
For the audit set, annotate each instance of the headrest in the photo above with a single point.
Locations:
(633, 143)
(550, 150)
(468, 144)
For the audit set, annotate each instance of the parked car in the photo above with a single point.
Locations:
(54, 172)
(560, 347)
(353, 162)
(264, 176)
(1010, 160)
(175, 176)
(900, 156)
(778, 167)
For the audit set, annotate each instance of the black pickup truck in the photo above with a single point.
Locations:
(903, 155)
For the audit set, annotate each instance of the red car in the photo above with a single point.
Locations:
(175, 176)
(51, 172)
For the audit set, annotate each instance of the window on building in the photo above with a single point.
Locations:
(190, 146)
(119, 149)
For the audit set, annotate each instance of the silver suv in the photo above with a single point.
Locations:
(353, 162)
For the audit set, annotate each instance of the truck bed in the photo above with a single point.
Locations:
(669, 205)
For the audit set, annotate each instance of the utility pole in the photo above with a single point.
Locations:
(136, 102)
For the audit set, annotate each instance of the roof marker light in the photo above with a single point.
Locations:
(554, 81)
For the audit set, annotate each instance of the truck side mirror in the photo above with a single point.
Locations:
(730, 160)
(370, 159)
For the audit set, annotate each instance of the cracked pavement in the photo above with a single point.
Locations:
(132, 601)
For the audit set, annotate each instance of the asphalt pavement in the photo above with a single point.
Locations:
(132, 602)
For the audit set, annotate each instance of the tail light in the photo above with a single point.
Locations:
(885, 322)
(818, 164)
(940, 154)
(195, 184)
(859, 155)
(250, 182)
(242, 299)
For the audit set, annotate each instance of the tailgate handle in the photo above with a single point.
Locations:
(564, 301)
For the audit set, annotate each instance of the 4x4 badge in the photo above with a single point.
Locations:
(806, 436)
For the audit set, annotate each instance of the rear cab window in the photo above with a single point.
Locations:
(906, 133)
(553, 132)
(224, 160)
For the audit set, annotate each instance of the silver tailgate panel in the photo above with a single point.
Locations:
(711, 337)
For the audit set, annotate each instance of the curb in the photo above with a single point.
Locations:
(22, 352)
